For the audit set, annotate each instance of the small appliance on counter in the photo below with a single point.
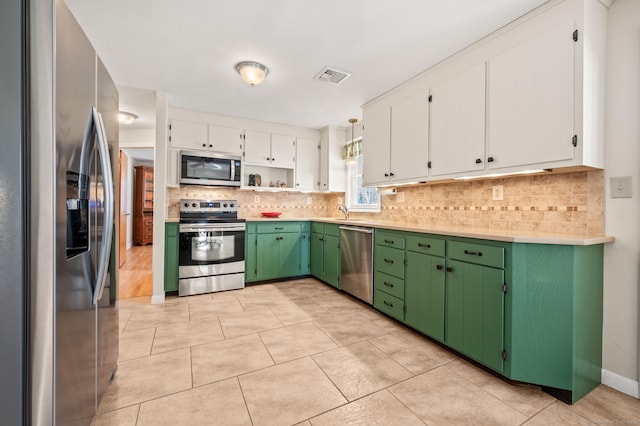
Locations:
(211, 248)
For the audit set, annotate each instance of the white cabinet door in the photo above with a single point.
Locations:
(376, 145)
(332, 166)
(410, 138)
(257, 148)
(225, 139)
(283, 151)
(531, 101)
(307, 164)
(188, 135)
(458, 123)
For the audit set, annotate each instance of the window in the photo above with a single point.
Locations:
(359, 198)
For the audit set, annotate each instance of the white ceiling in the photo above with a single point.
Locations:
(188, 49)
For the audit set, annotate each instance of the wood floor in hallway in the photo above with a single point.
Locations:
(136, 277)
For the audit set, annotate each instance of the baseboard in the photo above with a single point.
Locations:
(621, 383)
(129, 245)
(157, 299)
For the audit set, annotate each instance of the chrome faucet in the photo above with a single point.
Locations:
(344, 210)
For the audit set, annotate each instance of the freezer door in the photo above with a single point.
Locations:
(108, 337)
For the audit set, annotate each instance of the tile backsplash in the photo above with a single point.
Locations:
(563, 203)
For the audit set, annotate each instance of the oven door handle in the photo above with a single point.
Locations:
(211, 228)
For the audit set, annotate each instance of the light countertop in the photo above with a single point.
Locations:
(466, 232)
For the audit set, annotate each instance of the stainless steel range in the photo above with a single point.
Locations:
(211, 254)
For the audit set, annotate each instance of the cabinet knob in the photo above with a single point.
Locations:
(391, 174)
(439, 267)
(386, 175)
(478, 161)
(204, 145)
(449, 269)
(490, 159)
(210, 146)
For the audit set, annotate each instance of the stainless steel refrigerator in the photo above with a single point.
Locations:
(65, 341)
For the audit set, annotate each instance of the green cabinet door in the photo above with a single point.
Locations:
(332, 260)
(475, 312)
(171, 244)
(288, 254)
(425, 294)
(250, 254)
(304, 253)
(267, 257)
(317, 255)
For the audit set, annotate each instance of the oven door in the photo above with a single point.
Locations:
(211, 249)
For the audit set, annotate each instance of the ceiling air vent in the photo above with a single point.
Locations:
(332, 76)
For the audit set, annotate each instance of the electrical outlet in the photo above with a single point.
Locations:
(621, 187)
(309, 200)
(256, 199)
(400, 197)
(497, 193)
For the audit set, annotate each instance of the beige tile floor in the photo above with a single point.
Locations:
(300, 352)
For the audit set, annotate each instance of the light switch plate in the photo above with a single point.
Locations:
(497, 193)
(308, 200)
(621, 187)
(256, 199)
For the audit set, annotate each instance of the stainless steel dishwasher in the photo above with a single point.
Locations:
(356, 262)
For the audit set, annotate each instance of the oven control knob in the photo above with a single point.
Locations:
(225, 205)
(194, 205)
(231, 205)
(186, 204)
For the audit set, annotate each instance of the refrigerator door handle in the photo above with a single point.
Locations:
(107, 226)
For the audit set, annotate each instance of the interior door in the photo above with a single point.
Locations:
(124, 179)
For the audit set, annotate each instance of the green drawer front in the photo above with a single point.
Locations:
(251, 228)
(331, 229)
(279, 227)
(389, 284)
(477, 253)
(427, 245)
(388, 304)
(389, 260)
(389, 239)
(317, 227)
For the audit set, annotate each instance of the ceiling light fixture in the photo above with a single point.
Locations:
(252, 73)
(126, 117)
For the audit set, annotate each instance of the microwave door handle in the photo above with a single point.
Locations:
(233, 170)
(108, 218)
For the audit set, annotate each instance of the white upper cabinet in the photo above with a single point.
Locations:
(188, 135)
(257, 147)
(307, 164)
(458, 123)
(376, 145)
(226, 139)
(332, 176)
(531, 101)
(410, 139)
(283, 151)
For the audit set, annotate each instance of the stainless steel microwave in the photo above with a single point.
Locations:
(210, 168)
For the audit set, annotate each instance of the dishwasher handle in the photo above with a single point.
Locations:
(356, 229)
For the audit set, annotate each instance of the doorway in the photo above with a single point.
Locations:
(135, 261)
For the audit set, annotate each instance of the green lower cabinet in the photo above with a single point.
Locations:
(305, 253)
(425, 294)
(317, 255)
(388, 304)
(325, 253)
(171, 246)
(278, 256)
(250, 254)
(332, 260)
(475, 312)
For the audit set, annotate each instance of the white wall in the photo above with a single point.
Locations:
(622, 216)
